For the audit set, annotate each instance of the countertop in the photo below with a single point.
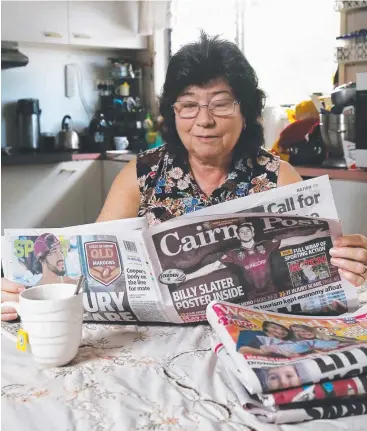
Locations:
(48, 158)
(58, 157)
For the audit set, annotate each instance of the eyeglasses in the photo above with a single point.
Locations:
(218, 108)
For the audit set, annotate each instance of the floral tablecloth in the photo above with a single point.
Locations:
(131, 378)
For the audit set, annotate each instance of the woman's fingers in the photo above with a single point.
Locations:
(355, 279)
(351, 241)
(352, 253)
(8, 313)
(349, 265)
(9, 316)
(10, 291)
(349, 254)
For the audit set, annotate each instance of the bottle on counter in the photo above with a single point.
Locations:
(99, 132)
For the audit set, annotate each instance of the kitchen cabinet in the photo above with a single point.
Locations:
(35, 21)
(109, 24)
(105, 23)
(57, 195)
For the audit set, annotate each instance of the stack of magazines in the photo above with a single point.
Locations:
(286, 368)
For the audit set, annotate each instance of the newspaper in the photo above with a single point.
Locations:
(339, 398)
(171, 272)
(308, 198)
(272, 351)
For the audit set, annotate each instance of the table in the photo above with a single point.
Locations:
(162, 378)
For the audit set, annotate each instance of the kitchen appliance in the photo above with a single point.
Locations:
(28, 124)
(335, 129)
(11, 57)
(361, 120)
(344, 95)
(67, 139)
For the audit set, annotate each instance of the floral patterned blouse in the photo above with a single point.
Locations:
(168, 188)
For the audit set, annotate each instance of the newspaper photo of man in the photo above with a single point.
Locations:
(50, 256)
(253, 259)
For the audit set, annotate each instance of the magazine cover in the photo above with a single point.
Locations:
(276, 351)
(272, 262)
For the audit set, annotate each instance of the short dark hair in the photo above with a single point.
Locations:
(201, 62)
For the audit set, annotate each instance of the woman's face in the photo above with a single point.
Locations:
(283, 378)
(209, 137)
(276, 331)
(303, 333)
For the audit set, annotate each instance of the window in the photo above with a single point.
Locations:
(289, 43)
(212, 16)
(291, 46)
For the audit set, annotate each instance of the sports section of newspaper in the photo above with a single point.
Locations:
(286, 368)
(169, 273)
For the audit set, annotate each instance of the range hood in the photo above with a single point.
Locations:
(11, 57)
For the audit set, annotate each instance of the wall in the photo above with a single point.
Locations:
(43, 79)
(351, 203)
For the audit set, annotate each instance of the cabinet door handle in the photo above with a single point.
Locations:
(66, 170)
(82, 36)
(52, 34)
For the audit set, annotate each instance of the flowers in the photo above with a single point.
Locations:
(239, 165)
(261, 183)
(242, 189)
(176, 173)
(182, 184)
(263, 160)
(141, 180)
(273, 165)
(232, 175)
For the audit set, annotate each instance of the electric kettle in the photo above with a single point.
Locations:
(67, 138)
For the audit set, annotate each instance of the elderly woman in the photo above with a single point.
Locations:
(211, 107)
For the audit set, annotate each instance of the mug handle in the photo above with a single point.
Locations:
(13, 305)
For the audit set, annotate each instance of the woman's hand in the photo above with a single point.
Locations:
(349, 254)
(9, 292)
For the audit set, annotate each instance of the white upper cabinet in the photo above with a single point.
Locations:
(34, 21)
(105, 23)
(110, 24)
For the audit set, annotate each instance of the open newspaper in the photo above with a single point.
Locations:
(171, 272)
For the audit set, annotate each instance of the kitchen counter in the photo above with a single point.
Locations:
(49, 158)
(46, 158)
(334, 174)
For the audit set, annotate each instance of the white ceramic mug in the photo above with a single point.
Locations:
(52, 316)
(121, 142)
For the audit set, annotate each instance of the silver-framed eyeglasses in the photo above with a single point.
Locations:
(218, 108)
